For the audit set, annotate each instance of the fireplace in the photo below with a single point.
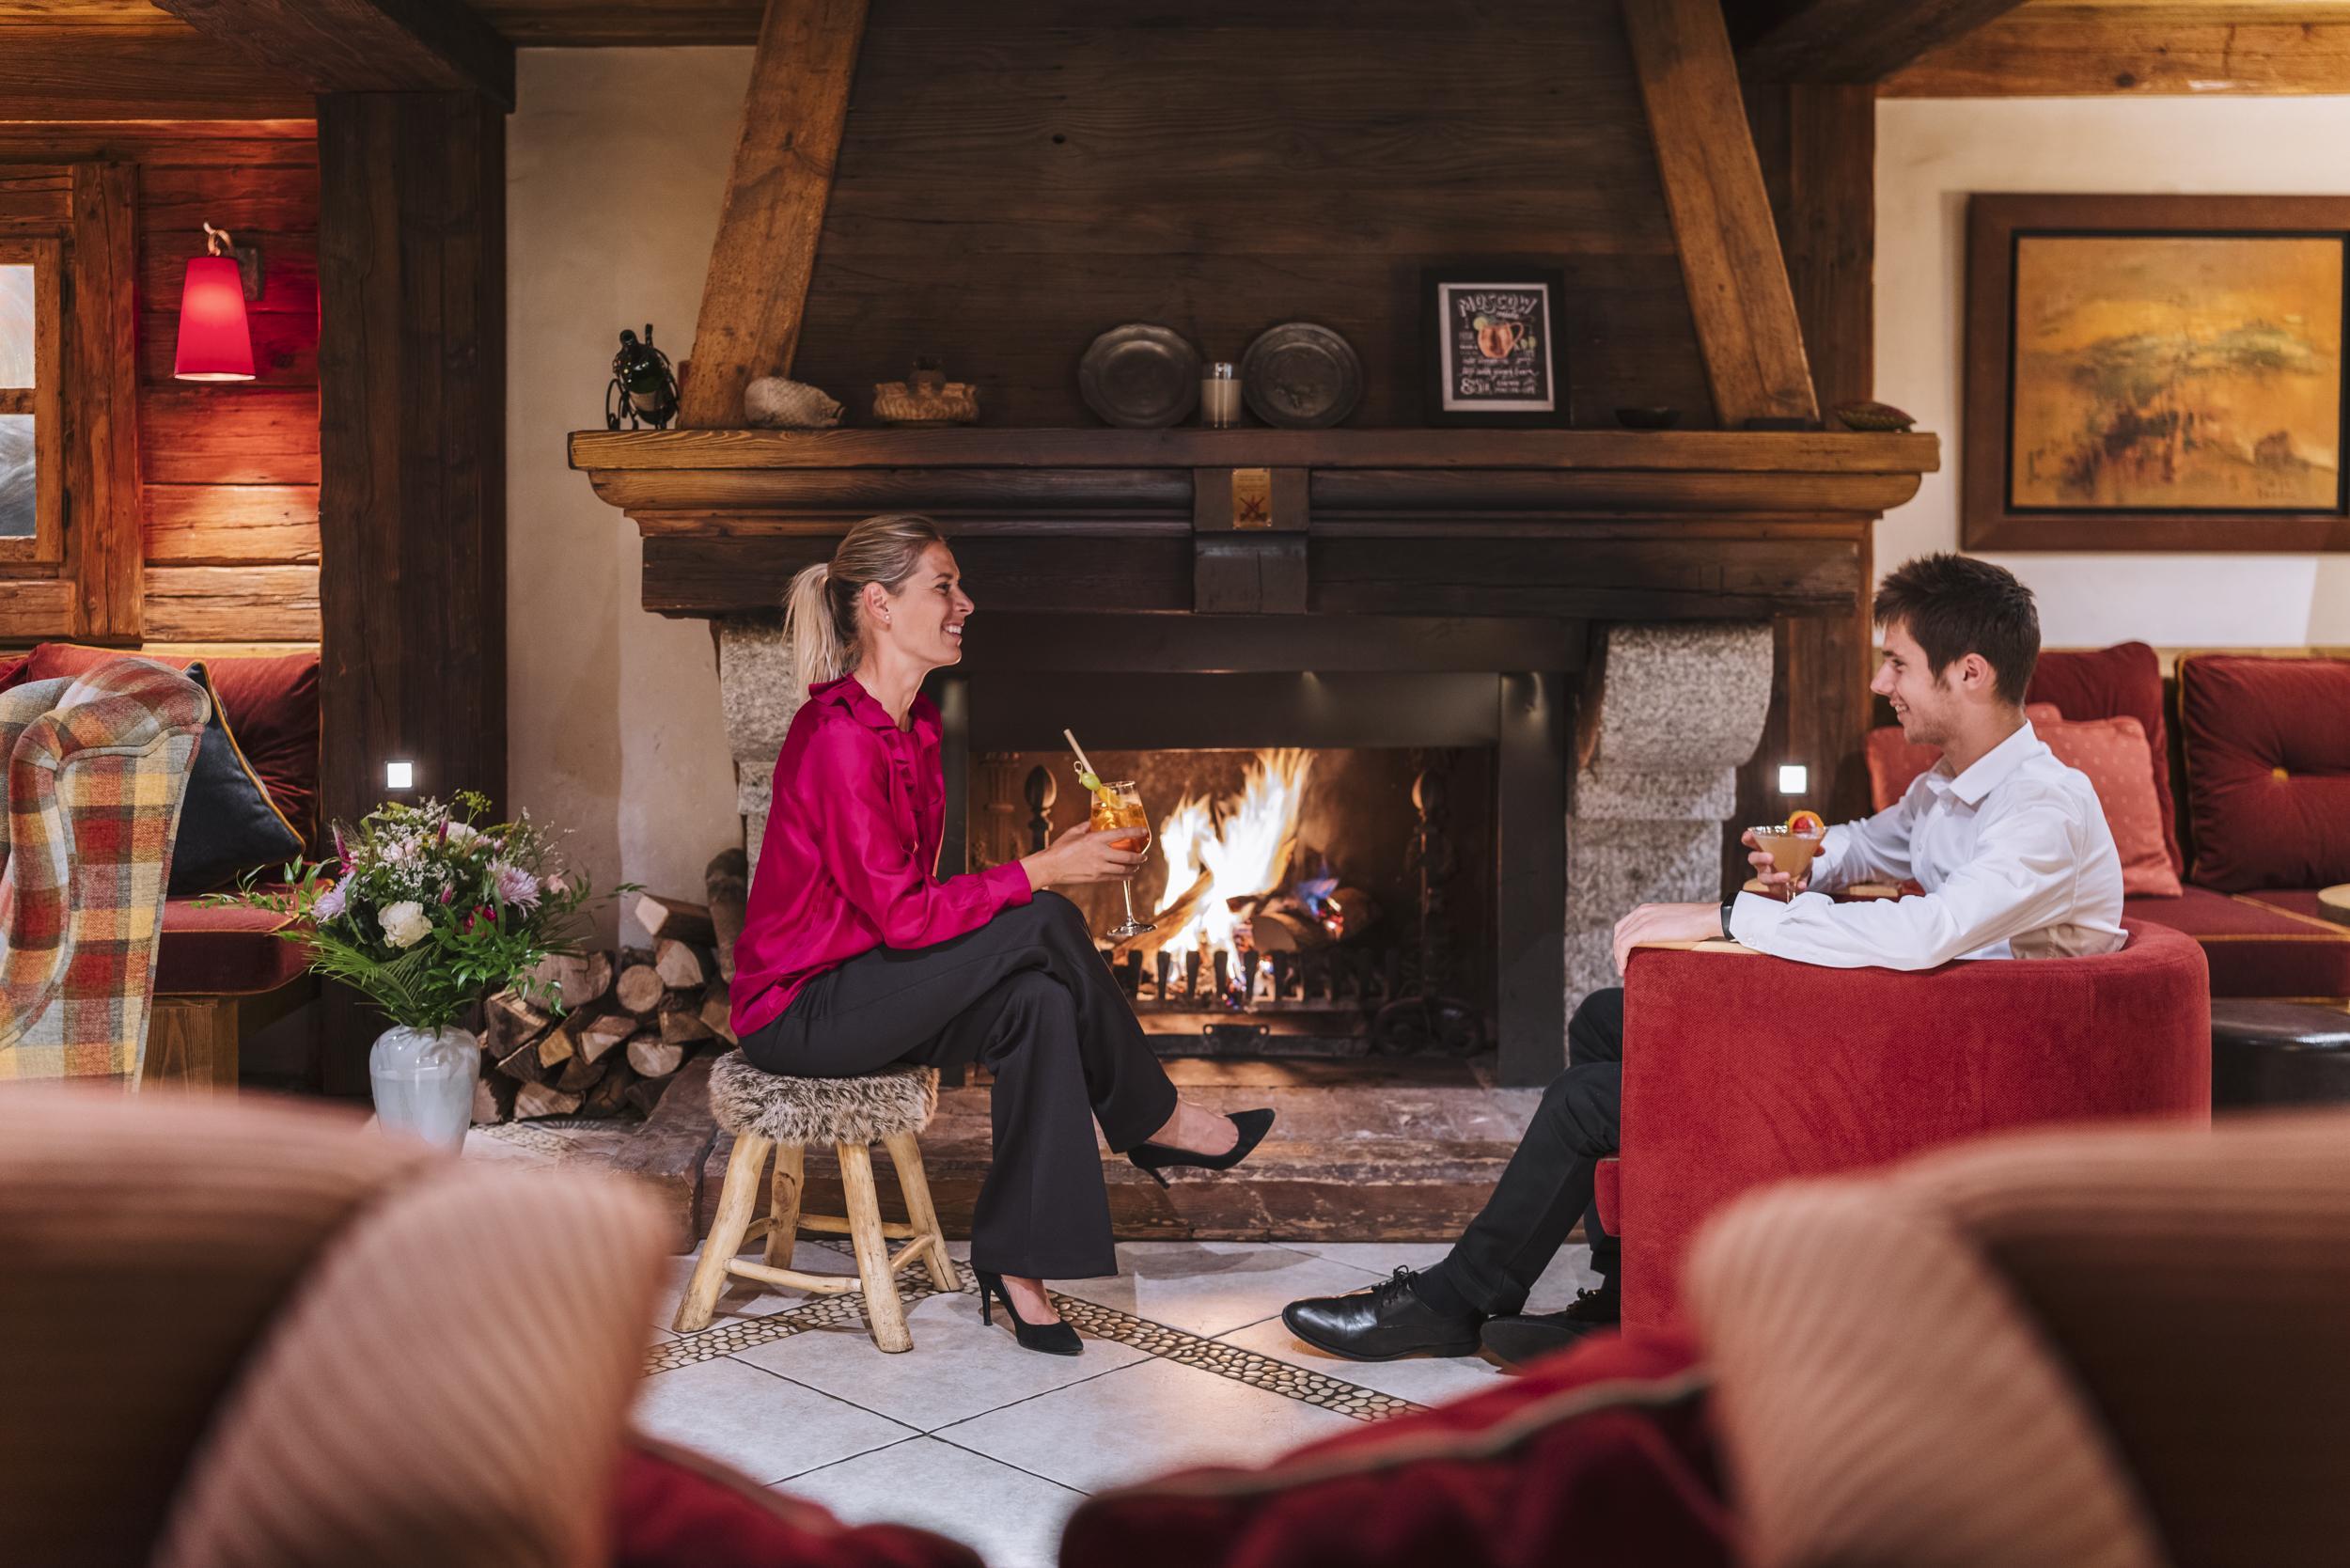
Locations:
(1573, 629)
(1334, 902)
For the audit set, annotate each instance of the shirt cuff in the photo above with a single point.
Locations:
(1010, 882)
(1753, 918)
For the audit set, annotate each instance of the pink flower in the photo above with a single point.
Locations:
(331, 901)
(514, 884)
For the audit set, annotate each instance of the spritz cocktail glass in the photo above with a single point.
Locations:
(1118, 804)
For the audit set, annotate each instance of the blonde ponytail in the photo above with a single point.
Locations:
(820, 611)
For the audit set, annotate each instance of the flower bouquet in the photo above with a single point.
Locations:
(424, 911)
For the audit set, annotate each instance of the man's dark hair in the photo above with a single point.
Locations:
(1954, 605)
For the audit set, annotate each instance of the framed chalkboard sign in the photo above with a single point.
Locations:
(1494, 353)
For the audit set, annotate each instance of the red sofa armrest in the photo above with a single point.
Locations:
(1741, 1070)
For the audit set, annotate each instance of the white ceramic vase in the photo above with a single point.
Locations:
(423, 1081)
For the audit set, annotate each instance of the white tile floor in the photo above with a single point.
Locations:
(1186, 1363)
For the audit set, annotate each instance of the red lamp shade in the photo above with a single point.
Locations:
(214, 343)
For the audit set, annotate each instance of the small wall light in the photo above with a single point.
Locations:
(1794, 778)
(399, 775)
(216, 343)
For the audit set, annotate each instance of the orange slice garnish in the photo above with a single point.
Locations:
(1806, 824)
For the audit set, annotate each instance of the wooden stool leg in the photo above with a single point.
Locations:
(883, 1312)
(906, 1154)
(783, 1210)
(736, 1201)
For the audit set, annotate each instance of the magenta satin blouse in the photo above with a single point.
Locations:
(851, 840)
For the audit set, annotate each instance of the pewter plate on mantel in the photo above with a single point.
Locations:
(1140, 377)
(1302, 377)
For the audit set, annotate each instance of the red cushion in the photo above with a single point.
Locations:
(2267, 745)
(273, 705)
(12, 670)
(1895, 762)
(2108, 683)
(222, 950)
(1603, 1454)
(2267, 944)
(2112, 752)
(674, 1509)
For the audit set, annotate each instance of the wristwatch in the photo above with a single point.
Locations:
(1727, 935)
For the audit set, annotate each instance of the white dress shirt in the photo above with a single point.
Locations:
(2014, 854)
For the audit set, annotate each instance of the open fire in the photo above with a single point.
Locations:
(1226, 858)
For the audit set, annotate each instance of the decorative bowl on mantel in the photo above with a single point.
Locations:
(1140, 376)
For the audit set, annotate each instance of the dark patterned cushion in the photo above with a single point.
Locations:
(229, 825)
(273, 701)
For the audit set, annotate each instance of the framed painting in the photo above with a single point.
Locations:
(2156, 373)
(1492, 340)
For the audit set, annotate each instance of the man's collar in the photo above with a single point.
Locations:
(1992, 766)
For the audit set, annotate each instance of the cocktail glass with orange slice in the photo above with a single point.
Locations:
(1791, 846)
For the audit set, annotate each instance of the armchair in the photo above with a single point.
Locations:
(97, 767)
(1741, 1070)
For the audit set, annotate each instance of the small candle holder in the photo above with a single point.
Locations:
(1219, 396)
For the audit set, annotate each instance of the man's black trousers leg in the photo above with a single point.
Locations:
(1027, 996)
(1548, 1183)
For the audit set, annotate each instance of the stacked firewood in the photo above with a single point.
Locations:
(629, 1019)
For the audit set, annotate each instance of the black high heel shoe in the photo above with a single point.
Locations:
(1053, 1339)
(1155, 1157)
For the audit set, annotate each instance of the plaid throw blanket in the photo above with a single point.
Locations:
(97, 767)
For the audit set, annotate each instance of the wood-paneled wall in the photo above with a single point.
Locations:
(229, 479)
(1016, 177)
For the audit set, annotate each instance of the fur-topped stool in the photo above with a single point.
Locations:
(766, 1112)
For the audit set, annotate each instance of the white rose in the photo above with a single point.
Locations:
(404, 924)
(459, 834)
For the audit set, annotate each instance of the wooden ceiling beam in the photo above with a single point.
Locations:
(1848, 40)
(1731, 260)
(49, 75)
(757, 291)
(363, 45)
(2072, 53)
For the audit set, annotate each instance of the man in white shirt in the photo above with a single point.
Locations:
(2010, 845)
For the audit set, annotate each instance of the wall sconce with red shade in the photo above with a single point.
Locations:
(215, 344)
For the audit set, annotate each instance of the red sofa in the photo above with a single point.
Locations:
(1741, 1070)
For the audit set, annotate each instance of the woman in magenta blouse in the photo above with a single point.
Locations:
(855, 954)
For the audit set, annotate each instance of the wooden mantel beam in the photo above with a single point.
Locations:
(363, 45)
(1848, 40)
(756, 291)
(1730, 259)
(2069, 53)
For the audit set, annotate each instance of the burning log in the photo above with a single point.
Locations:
(1174, 916)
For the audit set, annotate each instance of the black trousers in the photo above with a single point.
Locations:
(1028, 997)
(1548, 1182)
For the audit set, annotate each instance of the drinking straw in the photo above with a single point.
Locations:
(1083, 766)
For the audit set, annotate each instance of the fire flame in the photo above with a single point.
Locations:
(1244, 846)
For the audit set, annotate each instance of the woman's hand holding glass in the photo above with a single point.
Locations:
(1084, 853)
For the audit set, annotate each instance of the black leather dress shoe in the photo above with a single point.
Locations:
(1516, 1339)
(1381, 1324)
